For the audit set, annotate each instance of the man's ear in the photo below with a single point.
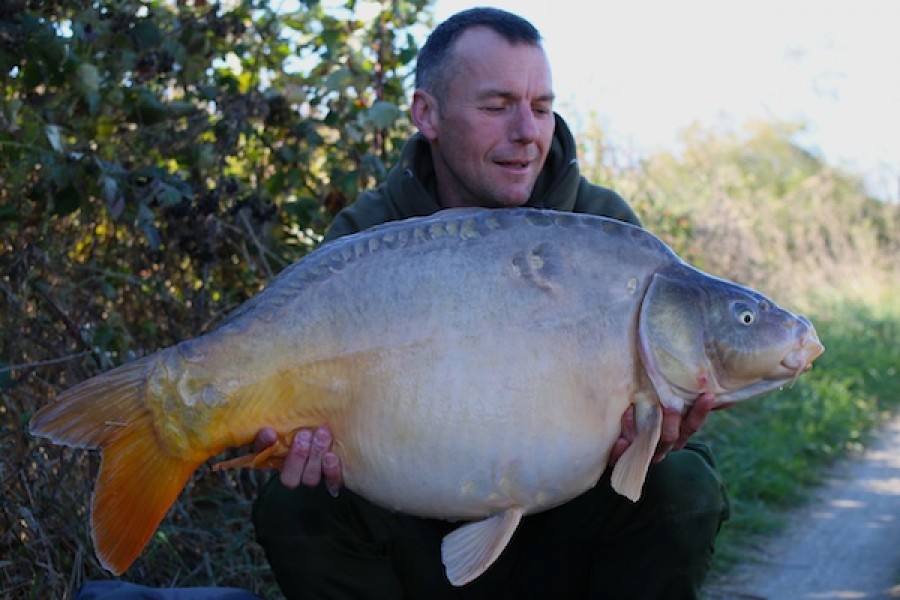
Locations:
(424, 113)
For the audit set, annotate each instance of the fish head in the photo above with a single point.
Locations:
(699, 334)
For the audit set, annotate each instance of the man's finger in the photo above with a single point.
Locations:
(321, 443)
(695, 418)
(618, 450)
(331, 469)
(629, 425)
(626, 436)
(265, 437)
(671, 428)
(296, 459)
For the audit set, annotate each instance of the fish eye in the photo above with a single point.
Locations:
(746, 316)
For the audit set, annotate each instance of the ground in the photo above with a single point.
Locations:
(843, 544)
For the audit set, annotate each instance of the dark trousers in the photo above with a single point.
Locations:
(598, 545)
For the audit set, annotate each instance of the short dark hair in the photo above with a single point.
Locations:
(431, 64)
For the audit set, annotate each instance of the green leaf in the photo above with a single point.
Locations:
(54, 136)
(66, 201)
(207, 92)
(338, 80)
(146, 35)
(87, 79)
(61, 174)
(8, 213)
(275, 183)
(12, 110)
(103, 336)
(382, 114)
(168, 195)
(145, 221)
(32, 74)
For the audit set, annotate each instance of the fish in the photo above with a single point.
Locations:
(473, 365)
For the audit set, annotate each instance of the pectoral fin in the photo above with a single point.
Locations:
(468, 551)
(631, 469)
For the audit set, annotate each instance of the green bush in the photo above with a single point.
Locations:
(159, 162)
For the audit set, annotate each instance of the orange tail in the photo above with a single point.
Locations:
(138, 479)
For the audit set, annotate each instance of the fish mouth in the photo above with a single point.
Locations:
(797, 362)
(800, 360)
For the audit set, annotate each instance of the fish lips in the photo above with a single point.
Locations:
(796, 362)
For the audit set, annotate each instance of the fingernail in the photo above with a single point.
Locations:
(303, 438)
(334, 490)
(322, 438)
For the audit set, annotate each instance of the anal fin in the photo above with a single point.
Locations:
(271, 457)
(631, 469)
(468, 551)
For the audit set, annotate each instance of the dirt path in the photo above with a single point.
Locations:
(845, 544)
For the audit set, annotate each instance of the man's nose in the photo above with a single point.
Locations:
(525, 128)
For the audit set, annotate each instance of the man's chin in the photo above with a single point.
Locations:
(512, 201)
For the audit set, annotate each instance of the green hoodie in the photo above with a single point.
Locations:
(411, 189)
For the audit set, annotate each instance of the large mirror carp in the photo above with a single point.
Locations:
(473, 365)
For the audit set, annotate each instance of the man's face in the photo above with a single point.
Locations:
(491, 131)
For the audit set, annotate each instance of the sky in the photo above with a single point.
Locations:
(649, 68)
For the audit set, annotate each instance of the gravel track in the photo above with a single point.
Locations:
(843, 544)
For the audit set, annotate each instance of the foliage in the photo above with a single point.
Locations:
(185, 154)
(755, 206)
(159, 162)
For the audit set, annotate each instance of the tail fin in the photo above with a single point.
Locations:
(139, 480)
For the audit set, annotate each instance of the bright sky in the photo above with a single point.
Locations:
(648, 68)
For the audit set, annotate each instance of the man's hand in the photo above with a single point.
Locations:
(308, 460)
(676, 430)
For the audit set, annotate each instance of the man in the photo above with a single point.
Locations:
(488, 137)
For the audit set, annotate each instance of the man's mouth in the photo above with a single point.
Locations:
(514, 164)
